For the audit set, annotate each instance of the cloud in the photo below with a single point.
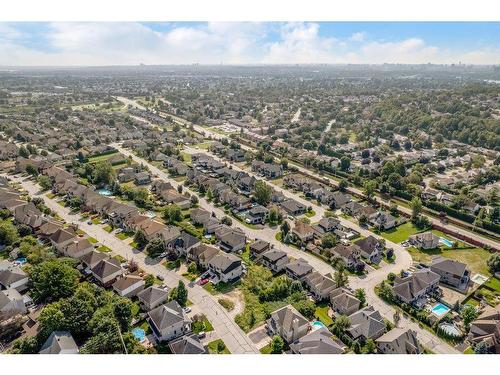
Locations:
(213, 43)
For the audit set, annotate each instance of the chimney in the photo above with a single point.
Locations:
(295, 329)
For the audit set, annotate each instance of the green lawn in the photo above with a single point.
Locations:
(469, 350)
(493, 284)
(266, 349)
(187, 158)
(474, 257)
(400, 233)
(310, 213)
(322, 314)
(50, 195)
(213, 347)
(95, 159)
(104, 249)
(108, 228)
(96, 221)
(119, 258)
(219, 288)
(123, 235)
(202, 326)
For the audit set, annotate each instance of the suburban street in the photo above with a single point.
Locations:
(403, 259)
(235, 339)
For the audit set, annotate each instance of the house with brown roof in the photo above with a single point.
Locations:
(319, 285)
(298, 269)
(62, 238)
(201, 254)
(486, 329)
(302, 232)
(106, 271)
(128, 285)
(77, 248)
(343, 302)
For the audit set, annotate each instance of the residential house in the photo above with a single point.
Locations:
(399, 341)
(452, 272)
(91, 259)
(302, 232)
(152, 297)
(288, 323)
(319, 341)
(382, 220)
(106, 271)
(226, 266)
(349, 254)
(292, 207)
(274, 259)
(298, 269)
(59, 342)
(425, 241)
(128, 285)
(486, 328)
(77, 248)
(185, 242)
(199, 216)
(233, 241)
(11, 304)
(366, 323)
(62, 238)
(343, 302)
(187, 344)
(371, 248)
(201, 254)
(14, 278)
(257, 215)
(319, 285)
(142, 178)
(415, 288)
(258, 248)
(169, 321)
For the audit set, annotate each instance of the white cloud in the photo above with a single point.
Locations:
(212, 43)
(357, 37)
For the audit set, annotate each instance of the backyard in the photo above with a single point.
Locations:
(401, 232)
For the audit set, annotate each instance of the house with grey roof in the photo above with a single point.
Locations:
(425, 241)
(226, 266)
(343, 301)
(452, 272)
(106, 271)
(14, 278)
(382, 220)
(232, 241)
(169, 321)
(298, 269)
(288, 323)
(152, 297)
(59, 342)
(274, 259)
(319, 341)
(201, 254)
(399, 341)
(416, 288)
(128, 285)
(11, 304)
(366, 323)
(319, 285)
(258, 248)
(187, 344)
(371, 248)
(184, 243)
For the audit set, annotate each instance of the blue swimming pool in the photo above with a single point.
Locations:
(317, 325)
(139, 334)
(440, 309)
(446, 241)
(105, 192)
(21, 261)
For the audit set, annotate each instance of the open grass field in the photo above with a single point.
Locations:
(95, 159)
(401, 232)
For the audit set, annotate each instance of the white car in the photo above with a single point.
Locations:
(187, 310)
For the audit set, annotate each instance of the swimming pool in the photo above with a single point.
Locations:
(446, 241)
(317, 325)
(20, 261)
(440, 309)
(139, 334)
(105, 192)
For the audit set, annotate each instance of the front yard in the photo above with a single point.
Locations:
(217, 347)
(401, 232)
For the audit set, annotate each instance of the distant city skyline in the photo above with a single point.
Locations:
(132, 43)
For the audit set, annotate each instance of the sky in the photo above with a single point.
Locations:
(132, 43)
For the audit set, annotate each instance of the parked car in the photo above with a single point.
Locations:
(204, 281)
(89, 222)
(187, 310)
(202, 335)
(160, 277)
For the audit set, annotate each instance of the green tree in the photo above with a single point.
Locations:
(32, 170)
(155, 247)
(345, 163)
(23, 152)
(306, 308)
(416, 208)
(361, 295)
(369, 189)
(52, 280)
(340, 277)
(340, 325)
(468, 314)
(277, 345)
(172, 214)
(103, 173)
(493, 263)
(8, 233)
(44, 182)
(140, 239)
(369, 347)
(328, 241)
(262, 193)
(182, 294)
(149, 280)
(285, 229)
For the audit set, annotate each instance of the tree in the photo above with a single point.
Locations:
(140, 239)
(369, 189)
(221, 346)
(340, 277)
(345, 163)
(262, 193)
(172, 214)
(8, 233)
(155, 247)
(494, 263)
(44, 182)
(369, 347)
(32, 170)
(227, 221)
(361, 295)
(340, 325)
(122, 311)
(285, 229)
(468, 314)
(23, 152)
(52, 280)
(343, 185)
(194, 199)
(149, 280)
(328, 241)
(210, 194)
(132, 266)
(416, 208)
(386, 292)
(103, 173)
(482, 348)
(396, 317)
(277, 345)
(182, 294)
(306, 308)
(192, 268)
